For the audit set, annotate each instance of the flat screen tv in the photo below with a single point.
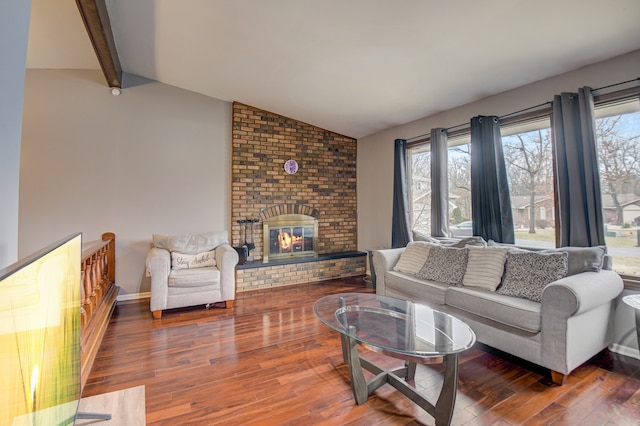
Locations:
(40, 336)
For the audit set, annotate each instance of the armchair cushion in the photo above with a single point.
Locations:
(196, 277)
(191, 243)
(190, 261)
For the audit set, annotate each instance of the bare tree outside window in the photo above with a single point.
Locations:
(459, 170)
(619, 156)
(420, 195)
(530, 172)
(618, 135)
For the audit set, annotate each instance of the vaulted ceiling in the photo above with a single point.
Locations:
(351, 66)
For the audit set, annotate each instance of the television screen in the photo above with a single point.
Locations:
(40, 336)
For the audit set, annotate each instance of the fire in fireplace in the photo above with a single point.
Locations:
(290, 235)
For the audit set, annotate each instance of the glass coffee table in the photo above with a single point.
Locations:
(400, 329)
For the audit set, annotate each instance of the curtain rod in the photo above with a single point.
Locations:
(467, 123)
(628, 82)
(635, 80)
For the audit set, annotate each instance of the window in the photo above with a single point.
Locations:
(529, 164)
(618, 135)
(419, 170)
(459, 172)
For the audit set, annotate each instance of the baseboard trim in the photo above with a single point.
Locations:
(624, 350)
(134, 296)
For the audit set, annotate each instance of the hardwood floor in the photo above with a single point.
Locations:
(268, 360)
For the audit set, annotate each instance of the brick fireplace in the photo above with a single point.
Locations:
(287, 233)
(323, 189)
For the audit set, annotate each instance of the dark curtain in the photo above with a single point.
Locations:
(490, 199)
(579, 218)
(439, 183)
(400, 227)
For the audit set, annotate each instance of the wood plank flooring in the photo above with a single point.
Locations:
(268, 360)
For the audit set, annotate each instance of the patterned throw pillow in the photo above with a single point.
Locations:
(445, 265)
(189, 261)
(413, 257)
(527, 273)
(485, 267)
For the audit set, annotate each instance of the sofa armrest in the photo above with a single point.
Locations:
(576, 318)
(227, 259)
(580, 293)
(383, 261)
(159, 266)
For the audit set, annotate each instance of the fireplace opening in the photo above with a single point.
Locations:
(290, 235)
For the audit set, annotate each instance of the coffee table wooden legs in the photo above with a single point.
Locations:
(442, 410)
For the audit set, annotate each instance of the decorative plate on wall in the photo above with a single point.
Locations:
(291, 166)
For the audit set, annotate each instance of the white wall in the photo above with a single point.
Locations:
(14, 34)
(375, 152)
(156, 159)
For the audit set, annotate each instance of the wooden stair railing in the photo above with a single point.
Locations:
(99, 294)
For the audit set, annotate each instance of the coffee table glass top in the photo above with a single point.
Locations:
(632, 300)
(395, 325)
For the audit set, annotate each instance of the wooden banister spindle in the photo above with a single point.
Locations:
(105, 267)
(92, 279)
(96, 275)
(86, 284)
(99, 276)
(83, 311)
(111, 255)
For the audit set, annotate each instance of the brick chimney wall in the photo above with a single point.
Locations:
(326, 178)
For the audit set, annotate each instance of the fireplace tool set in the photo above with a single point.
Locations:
(247, 234)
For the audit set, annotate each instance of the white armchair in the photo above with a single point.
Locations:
(192, 269)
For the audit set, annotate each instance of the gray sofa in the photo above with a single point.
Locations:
(571, 322)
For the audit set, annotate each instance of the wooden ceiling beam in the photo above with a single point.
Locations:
(96, 20)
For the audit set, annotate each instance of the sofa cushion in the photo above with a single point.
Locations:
(188, 261)
(512, 311)
(485, 267)
(419, 236)
(191, 243)
(196, 277)
(467, 241)
(527, 273)
(413, 257)
(582, 259)
(405, 286)
(445, 265)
